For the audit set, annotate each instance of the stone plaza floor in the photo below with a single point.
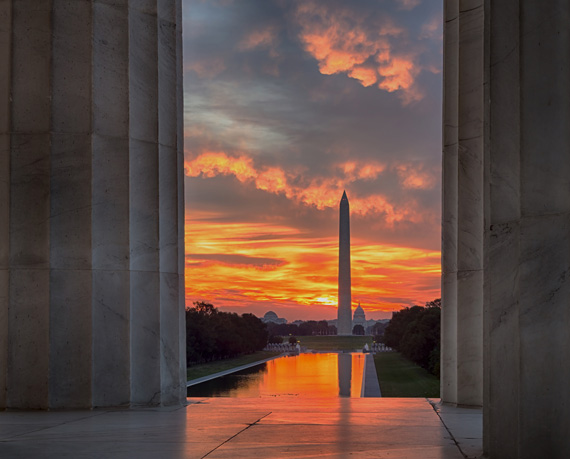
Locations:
(272, 427)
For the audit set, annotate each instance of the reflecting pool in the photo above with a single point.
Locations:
(304, 375)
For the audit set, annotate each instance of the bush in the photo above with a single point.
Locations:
(292, 340)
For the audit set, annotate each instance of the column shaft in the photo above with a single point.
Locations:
(502, 279)
(449, 207)
(144, 251)
(181, 206)
(513, 89)
(70, 210)
(28, 317)
(91, 204)
(463, 210)
(544, 317)
(111, 291)
(5, 84)
(168, 204)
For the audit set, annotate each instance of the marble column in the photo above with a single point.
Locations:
(525, 168)
(91, 209)
(463, 192)
(528, 230)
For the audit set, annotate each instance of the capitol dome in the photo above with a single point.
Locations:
(270, 315)
(359, 315)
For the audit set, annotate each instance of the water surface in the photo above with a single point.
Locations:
(304, 375)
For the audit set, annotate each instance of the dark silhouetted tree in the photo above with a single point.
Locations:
(214, 335)
(415, 333)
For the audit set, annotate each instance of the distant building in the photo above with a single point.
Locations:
(359, 317)
(270, 316)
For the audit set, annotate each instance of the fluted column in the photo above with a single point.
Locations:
(449, 207)
(463, 197)
(513, 91)
(5, 83)
(91, 210)
(527, 405)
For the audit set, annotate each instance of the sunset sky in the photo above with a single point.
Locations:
(287, 104)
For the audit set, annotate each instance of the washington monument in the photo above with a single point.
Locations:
(344, 322)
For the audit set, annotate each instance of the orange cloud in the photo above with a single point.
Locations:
(340, 43)
(416, 177)
(238, 265)
(211, 164)
(399, 73)
(318, 192)
(366, 76)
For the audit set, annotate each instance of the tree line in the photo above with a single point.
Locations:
(415, 333)
(213, 335)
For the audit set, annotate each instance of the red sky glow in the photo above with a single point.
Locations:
(287, 104)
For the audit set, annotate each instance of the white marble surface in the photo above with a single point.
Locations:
(91, 206)
(520, 110)
(245, 428)
(70, 338)
(448, 357)
(71, 67)
(463, 205)
(470, 338)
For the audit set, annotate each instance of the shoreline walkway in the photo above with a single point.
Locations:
(265, 427)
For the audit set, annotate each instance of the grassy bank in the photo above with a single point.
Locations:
(205, 369)
(334, 343)
(399, 377)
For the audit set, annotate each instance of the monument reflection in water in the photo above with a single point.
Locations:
(304, 375)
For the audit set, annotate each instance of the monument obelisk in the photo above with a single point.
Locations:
(344, 322)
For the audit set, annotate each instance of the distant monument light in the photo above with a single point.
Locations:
(344, 323)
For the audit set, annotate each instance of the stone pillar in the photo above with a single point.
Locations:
(523, 79)
(463, 192)
(527, 404)
(91, 209)
(5, 82)
(449, 208)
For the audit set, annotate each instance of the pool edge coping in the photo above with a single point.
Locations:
(193, 382)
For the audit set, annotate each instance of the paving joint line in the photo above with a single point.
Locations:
(5, 440)
(447, 428)
(234, 436)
